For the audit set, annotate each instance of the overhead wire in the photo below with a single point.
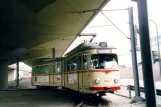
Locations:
(99, 26)
(95, 10)
(114, 25)
(81, 15)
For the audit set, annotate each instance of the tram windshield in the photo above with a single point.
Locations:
(104, 61)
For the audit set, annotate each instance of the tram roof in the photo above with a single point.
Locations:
(87, 46)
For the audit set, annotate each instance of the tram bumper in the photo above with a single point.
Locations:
(113, 88)
(100, 91)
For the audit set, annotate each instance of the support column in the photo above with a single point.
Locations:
(150, 92)
(137, 97)
(3, 76)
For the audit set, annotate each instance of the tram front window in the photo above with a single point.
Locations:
(104, 61)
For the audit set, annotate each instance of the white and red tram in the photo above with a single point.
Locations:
(89, 68)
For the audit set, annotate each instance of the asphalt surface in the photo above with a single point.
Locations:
(43, 98)
(59, 98)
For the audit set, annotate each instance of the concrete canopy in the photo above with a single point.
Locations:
(31, 28)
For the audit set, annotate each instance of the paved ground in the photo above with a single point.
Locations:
(24, 83)
(58, 99)
(36, 99)
(127, 73)
(125, 92)
(118, 101)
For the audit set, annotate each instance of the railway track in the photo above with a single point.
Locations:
(109, 100)
(78, 100)
(90, 101)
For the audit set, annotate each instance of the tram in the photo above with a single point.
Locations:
(90, 68)
(47, 75)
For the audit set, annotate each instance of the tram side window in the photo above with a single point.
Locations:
(79, 62)
(72, 64)
(54, 68)
(42, 69)
(34, 70)
(58, 67)
(68, 66)
(65, 66)
(37, 70)
(85, 62)
(62, 66)
(75, 63)
(45, 69)
(50, 68)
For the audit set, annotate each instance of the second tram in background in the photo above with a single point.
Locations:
(90, 68)
(48, 74)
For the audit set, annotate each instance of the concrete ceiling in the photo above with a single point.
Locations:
(31, 28)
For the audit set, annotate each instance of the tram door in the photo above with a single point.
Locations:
(80, 74)
(57, 75)
(62, 73)
(52, 71)
(86, 74)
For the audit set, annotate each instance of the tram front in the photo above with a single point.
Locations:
(104, 70)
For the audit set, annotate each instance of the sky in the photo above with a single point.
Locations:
(105, 31)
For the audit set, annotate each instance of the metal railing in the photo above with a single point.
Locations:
(132, 88)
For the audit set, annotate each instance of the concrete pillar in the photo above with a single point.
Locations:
(150, 91)
(3, 76)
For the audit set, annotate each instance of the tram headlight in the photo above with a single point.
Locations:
(97, 81)
(116, 81)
